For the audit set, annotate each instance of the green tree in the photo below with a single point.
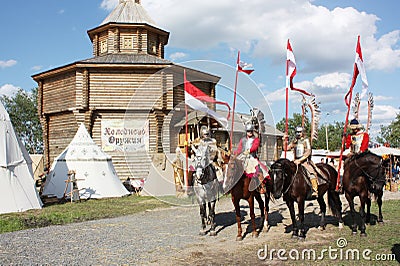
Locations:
(391, 134)
(292, 124)
(23, 111)
(335, 133)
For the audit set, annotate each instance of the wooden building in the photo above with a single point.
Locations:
(127, 95)
(122, 94)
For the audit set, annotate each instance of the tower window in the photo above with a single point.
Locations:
(127, 42)
(103, 46)
(152, 47)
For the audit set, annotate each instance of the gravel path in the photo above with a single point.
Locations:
(163, 236)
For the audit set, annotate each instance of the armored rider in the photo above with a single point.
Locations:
(357, 140)
(209, 142)
(249, 144)
(302, 155)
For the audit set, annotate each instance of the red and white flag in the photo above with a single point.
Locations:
(358, 69)
(195, 99)
(291, 70)
(244, 67)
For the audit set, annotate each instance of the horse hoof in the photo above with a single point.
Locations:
(363, 235)
(341, 226)
(381, 223)
(239, 238)
(255, 234)
(354, 233)
(295, 236)
(202, 233)
(213, 233)
(302, 238)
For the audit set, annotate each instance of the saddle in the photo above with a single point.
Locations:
(321, 180)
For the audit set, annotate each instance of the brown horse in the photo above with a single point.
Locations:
(237, 183)
(289, 180)
(364, 174)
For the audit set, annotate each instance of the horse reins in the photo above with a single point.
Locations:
(371, 178)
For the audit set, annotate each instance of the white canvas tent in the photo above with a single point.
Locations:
(95, 173)
(386, 150)
(17, 187)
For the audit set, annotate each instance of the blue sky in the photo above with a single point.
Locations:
(43, 34)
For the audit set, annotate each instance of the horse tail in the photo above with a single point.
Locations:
(334, 202)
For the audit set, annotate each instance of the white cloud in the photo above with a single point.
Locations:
(324, 40)
(8, 63)
(8, 90)
(36, 68)
(177, 56)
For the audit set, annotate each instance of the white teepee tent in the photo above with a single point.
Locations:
(95, 173)
(17, 187)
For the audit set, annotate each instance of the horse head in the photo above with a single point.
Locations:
(373, 167)
(281, 170)
(201, 161)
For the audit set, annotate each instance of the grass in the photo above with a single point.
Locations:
(58, 214)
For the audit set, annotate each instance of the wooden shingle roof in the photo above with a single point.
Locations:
(129, 11)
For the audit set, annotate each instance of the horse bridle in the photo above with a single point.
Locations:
(286, 175)
(370, 178)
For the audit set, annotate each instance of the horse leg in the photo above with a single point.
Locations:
(261, 206)
(322, 206)
(290, 205)
(302, 234)
(379, 201)
(266, 208)
(368, 216)
(238, 218)
(363, 200)
(350, 200)
(203, 218)
(253, 216)
(211, 206)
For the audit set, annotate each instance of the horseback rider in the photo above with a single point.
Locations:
(248, 144)
(210, 143)
(357, 140)
(302, 155)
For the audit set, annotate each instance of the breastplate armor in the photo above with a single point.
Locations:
(300, 148)
(356, 141)
(249, 143)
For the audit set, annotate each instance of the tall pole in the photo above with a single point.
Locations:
(343, 139)
(234, 100)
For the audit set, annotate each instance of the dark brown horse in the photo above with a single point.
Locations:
(364, 174)
(237, 183)
(289, 180)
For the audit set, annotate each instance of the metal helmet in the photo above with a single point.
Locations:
(299, 131)
(204, 131)
(249, 127)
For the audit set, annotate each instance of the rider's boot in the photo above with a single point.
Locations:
(314, 184)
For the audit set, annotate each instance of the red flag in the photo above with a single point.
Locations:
(244, 67)
(291, 69)
(358, 69)
(194, 97)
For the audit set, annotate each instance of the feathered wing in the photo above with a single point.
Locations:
(356, 106)
(370, 108)
(315, 117)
